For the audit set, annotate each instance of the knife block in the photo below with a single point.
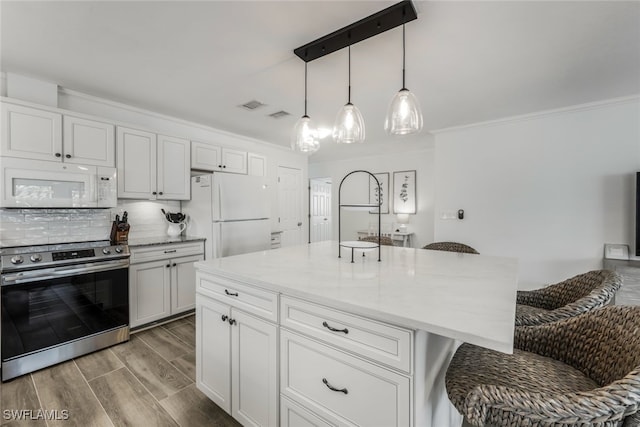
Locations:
(119, 232)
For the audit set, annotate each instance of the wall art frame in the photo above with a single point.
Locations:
(374, 197)
(404, 192)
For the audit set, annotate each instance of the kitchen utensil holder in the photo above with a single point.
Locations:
(119, 232)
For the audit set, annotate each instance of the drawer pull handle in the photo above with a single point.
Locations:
(326, 325)
(332, 388)
(224, 317)
(232, 294)
(170, 251)
(232, 321)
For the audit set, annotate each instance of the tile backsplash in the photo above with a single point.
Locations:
(22, 227)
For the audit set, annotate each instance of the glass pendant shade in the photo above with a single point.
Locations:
(404, 116)
(349, 126)
(305, 136)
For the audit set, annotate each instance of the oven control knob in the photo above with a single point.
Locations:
(106, 251)
(17, 259)
(36, 258)
(118, 249)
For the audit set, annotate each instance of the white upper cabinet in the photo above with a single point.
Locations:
(136, 164)
(208, 157)
(36, 134)
(174, 168)
(152, 166)
(256, 165)
(88, 142)
(31, 133)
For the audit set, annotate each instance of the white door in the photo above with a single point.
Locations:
(320, 209)
(174, 168)
(30, 133)
(88, 142)
(183, 283)
(136, 151)
(149, 293)
(254, 373)
(213, 351)
(290, 205)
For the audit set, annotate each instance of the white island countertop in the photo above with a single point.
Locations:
(466, 297)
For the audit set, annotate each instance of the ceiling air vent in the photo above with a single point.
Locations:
(279, 114)
(252, 105)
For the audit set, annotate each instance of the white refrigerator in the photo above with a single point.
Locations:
(231, 211)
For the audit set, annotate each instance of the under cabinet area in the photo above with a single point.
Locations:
(237, 348)
(152, 166)
(39, 134)
(162, 281)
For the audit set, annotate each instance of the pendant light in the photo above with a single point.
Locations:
(404, 116)
(305, 135)
(349, 125)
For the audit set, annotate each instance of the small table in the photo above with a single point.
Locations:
(358, 244)
(400, 236)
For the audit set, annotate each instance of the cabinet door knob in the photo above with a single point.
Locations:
(224, 166)
(168, 265)
(161, 193)
(224, 317)
(332, 388)
(174, 264)
(233, 294)
(232, 321)
(154, 193)
(68, 156)
(219, 166)
(58, 155)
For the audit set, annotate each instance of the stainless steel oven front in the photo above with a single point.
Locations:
(60, 303)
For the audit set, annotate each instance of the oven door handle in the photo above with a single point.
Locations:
(66, 271)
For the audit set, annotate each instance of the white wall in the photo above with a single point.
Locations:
(357, 191)
(550, 189)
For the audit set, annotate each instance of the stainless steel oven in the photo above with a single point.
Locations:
(61, 301)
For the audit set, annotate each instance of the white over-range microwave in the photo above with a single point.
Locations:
(43, 184)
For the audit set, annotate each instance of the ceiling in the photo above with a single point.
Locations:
(467, 62)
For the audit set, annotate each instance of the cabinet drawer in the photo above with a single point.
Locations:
(294, 415)
(364, 394)
(383, 343)
(252, 300)
(158, 252)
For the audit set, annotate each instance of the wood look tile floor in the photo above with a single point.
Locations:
(148, 381)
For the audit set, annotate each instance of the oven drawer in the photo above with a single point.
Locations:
(380, 342)
(256, 301)
(340, 387)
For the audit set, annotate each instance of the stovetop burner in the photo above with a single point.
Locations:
(45, 256)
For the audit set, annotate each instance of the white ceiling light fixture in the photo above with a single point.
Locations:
(404, 116)
(305, 135)
(349, 125)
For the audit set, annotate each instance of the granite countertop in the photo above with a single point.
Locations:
(462, 296)
(163, 240)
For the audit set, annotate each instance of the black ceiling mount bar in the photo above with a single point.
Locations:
(372, 25)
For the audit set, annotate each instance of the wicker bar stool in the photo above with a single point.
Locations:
(578, 372)
(451, 247)
(568, 298)
(384, 240)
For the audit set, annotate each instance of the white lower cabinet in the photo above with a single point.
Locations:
(315, 365)
(162, 281)
(237, 360)
(340, 387)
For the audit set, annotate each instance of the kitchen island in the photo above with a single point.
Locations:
(298, 336)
